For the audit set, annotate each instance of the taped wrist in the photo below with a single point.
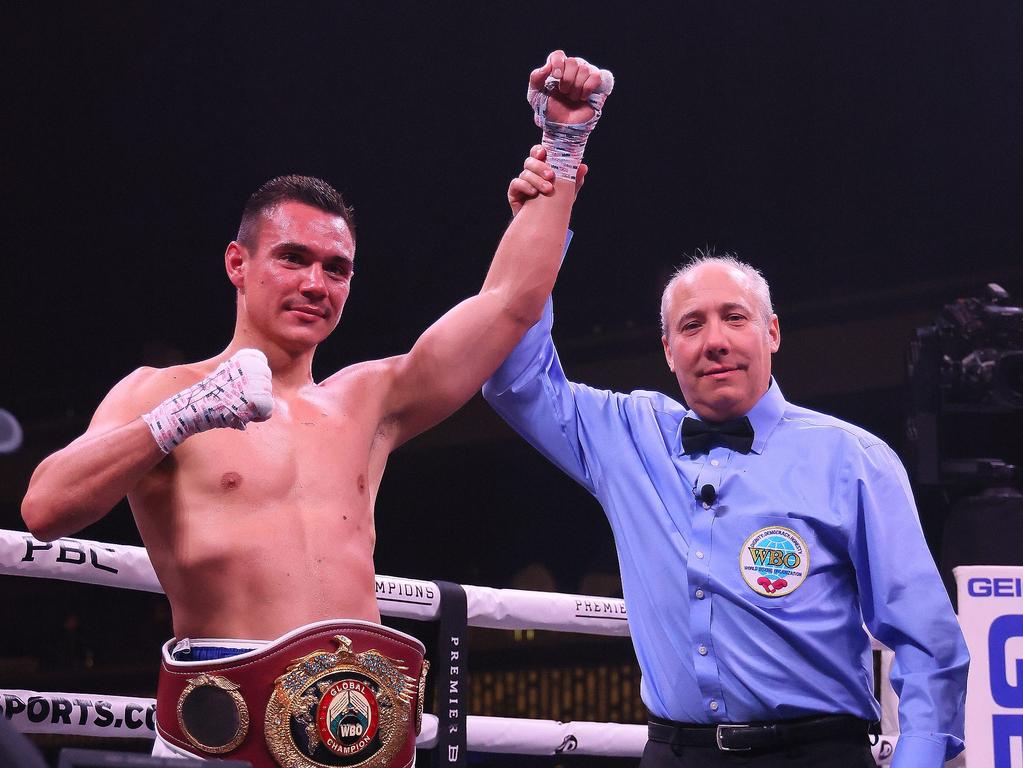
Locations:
(237, 392)
(566, 142)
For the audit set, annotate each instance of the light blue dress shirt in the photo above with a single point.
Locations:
(751, 607)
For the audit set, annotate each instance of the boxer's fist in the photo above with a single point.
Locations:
(256, 383)
(237, 392)
(568, 89)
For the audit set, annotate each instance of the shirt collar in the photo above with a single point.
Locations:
(764, 416)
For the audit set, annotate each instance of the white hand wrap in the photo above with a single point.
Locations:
(565, 143)
(237, 392)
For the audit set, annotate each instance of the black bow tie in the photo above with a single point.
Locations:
(698, 436)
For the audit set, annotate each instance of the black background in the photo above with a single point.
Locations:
(866, 156)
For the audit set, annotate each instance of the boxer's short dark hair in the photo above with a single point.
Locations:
(292, 188)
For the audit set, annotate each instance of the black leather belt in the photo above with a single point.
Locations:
(742, 737)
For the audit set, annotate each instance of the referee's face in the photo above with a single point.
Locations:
(719, 344)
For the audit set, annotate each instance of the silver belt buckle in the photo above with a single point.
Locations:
(729, 727)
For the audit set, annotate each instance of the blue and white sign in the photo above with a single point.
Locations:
(991, 616)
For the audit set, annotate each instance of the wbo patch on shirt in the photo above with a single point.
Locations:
(774, 561)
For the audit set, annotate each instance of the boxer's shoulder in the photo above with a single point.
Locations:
(364, 392)
(368, 379)
(146, 387)
(148, 384)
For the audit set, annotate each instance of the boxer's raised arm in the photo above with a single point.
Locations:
(452, 359)
(79, 484)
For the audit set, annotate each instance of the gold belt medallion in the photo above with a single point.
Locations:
(212, 714)
(344, 709)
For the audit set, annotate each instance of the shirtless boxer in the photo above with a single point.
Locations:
(261, 527)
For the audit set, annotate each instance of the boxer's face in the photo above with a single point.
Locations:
(293, 285)
(718, 345)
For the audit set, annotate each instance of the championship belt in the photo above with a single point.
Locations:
(336, 694)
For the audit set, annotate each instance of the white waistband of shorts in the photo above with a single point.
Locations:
(218, 642)
(163, 748)
(253, 647)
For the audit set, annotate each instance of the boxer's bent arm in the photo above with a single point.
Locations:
(79, 484)
(452, 359)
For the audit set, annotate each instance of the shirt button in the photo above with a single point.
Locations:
(699, 554)
(714, 706)
(706, 505)
(714, 462)
(699, 594)
(703, 650)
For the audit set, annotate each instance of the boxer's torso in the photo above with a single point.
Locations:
(253, 533)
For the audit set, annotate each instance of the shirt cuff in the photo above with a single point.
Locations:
(918, 751)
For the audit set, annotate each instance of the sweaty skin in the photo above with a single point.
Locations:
(256, 532)
(253, 533)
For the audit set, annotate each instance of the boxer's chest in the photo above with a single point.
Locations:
(310, 453)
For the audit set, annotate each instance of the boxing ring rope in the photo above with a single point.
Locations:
(82, 714)
(129, 567)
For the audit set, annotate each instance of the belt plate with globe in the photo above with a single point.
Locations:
(340, 709)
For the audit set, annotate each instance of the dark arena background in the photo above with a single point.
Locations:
(866, 156)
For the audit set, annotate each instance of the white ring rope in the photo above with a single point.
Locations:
(129, 567)
(80, 714)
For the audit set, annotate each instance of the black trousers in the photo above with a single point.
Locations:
(835, 753)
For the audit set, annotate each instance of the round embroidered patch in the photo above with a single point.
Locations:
(774, 561)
